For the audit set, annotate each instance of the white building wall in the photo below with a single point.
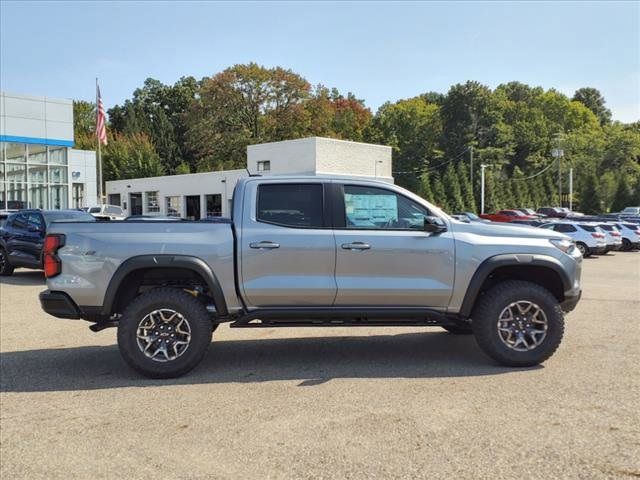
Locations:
(352, 158)
(200, 184)
(82, 169)
(41, 118)
(286, 157)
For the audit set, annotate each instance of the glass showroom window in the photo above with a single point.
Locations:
(152, 202)
(38, 196)
(59, 196)
(57, 174)
(16, 152)
(174, 206)
(58, 155)
(37, 154)
(16, 185)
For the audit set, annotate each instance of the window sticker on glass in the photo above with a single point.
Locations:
(370, 210)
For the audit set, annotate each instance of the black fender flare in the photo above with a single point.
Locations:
(140, 262)
(489, 265)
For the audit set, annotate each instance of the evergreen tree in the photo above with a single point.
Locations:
(465, 188)
(452, 189)
(590, 202)
(424, 188)
(439, 194)
(635, 197)
(520, 189)
(550, 191)
(623, 196)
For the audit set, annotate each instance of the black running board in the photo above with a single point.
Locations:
(342, 317)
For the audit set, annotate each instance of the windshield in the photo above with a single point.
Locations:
(94, 210)
(472, 216)
(67, 216)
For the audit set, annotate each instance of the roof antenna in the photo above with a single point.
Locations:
(252, 174)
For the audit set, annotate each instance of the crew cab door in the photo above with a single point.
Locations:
(287, 250)
(383, 255)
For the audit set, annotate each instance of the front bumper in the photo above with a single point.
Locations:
(59, 304)
(570, 301)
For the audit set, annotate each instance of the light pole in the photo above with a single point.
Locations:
(482, 167)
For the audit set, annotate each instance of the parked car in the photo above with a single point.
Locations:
(613, 237)
(507, 216)
(531, 223)
(4, 214)
(310, 250)
(472, 217)
(589, 238)
(552, 212)
(531, 212)
(22, 236)
(635, 211)
(630, 233)
(107, 212)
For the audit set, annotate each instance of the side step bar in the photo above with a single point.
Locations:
(338, 317)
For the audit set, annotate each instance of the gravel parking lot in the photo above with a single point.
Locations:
(325, 403)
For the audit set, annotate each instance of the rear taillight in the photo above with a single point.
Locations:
(615, 234)
(52, 264)
(597, 235)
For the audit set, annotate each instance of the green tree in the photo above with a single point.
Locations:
(590, 202)
(424, 188)
(451, 185)
(130, 156)
(84, 125)
(412, 128)
(594, 101)
(623, 196)
(439, 193)
(466, 190)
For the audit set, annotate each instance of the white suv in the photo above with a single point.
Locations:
(613, 237)
(630, 233)
(112, 212)
(589, 238)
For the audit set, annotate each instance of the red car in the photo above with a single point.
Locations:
(507, 216)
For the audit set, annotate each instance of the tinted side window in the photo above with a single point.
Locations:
(35, 221)
(377, 208)
(291, 205)
(20, 221)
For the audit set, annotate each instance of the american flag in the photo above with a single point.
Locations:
(101, 130)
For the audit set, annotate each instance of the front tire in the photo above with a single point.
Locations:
(164, 333)
(6, 269)
(584, 250)
(518, 323)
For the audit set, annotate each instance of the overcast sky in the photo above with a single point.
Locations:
(379, 51)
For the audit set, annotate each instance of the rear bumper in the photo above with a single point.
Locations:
(570, 301)
(59, 304)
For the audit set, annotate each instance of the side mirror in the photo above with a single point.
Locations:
(434, 225)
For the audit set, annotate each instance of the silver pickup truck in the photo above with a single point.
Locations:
(312, 251)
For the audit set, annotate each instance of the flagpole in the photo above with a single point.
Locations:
(100, 193)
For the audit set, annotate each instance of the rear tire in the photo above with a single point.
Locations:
(6, 269)
(458, 329)
(504, 328)
(626, 245)
(164, 333)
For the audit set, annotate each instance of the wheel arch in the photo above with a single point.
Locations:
(543, 270)
(131, 270)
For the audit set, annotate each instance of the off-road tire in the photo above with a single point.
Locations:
(485, 322)
(458, 329)
(165, 298)
(6, 269)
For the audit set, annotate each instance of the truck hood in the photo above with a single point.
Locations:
(497, 229)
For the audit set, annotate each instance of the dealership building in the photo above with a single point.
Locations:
(200, 195)
(39, 168)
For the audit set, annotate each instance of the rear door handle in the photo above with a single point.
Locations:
(266, 245)
(356, 246)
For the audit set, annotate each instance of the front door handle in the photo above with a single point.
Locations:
(356, 246)
(266, 245)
